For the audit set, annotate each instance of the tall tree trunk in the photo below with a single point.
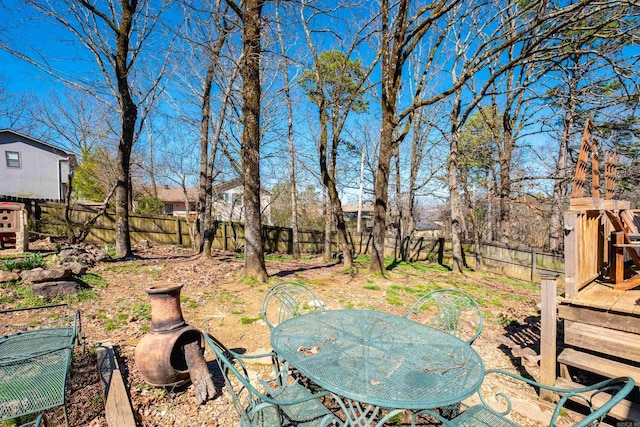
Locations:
(204, 154)
(295, 239)
(129, 116)
(454, 191)
(254, 265)
(505, 179)
(561, 182)
(208, 232)
(328, 179)
(400, 231)
(328, 224)
(206, 161)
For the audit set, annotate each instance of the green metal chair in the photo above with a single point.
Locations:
(283, 402)
(34, 359)
(484, 414)
(451, 310)
(286, 300)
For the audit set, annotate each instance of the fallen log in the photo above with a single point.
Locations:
(199, 372)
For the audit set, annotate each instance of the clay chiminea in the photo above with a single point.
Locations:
(159, 355)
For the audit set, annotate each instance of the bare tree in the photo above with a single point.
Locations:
(337, 85)
(292, 172)
(115, 36)
(250, 13)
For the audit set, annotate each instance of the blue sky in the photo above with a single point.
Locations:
(24, 79)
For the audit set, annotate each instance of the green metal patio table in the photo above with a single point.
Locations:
(371, 360)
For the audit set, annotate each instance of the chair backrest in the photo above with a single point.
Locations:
(612, 391)
(247, 399)
(286, 300)
(451, 310)
(599, 398)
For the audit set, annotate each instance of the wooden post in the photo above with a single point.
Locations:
(571, 260)
(224, 236)
(178, 231)
(616, 269)
(548, 332)
(534, 257)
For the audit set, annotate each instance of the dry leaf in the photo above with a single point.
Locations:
(312, 350)
(375, 382)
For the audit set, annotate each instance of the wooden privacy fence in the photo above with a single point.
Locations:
(519, 264)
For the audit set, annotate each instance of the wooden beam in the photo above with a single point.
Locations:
(619, 226)
(579, 177)
(595, 170)
(603, 340)
(548, 333)
(117, 407)
(625, 410)
(598, 365)
(619, 321)
(571, 255)
(616, 264)
(628, 284)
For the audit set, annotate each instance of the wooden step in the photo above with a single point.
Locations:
(598, 365)
(603, 340)
(623, 411)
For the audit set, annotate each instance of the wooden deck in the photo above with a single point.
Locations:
(602, 296)
(602, 335)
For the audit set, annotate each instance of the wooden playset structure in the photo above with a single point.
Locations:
(601, 304)
(14, 231)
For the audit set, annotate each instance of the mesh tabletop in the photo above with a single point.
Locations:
(380, 359)
(33, 369)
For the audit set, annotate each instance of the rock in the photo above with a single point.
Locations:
(55, 288)
(41, 275)
(8, 276)
(103, 257)
(143, 244)
(502, 340)
(76, 268)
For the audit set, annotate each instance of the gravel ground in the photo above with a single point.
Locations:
(216, 301)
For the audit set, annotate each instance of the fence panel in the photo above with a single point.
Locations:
(519, 264)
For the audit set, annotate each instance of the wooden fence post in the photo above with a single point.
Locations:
(178, 231)
(224, 237)
(548, 333)
(534, 260)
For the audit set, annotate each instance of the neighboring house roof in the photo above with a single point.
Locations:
(176, 194)
(227, 185)
(236, 182)
(43, 145)
(428, 225)
(353, 207)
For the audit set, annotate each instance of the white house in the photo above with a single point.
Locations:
(32, 168)
(228, 203)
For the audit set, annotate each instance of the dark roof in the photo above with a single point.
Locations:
(42, 144)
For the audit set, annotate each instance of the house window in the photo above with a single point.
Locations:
(168, 209)
(192, 207)
(13, 159)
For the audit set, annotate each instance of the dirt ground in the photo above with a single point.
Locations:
(216, 301)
